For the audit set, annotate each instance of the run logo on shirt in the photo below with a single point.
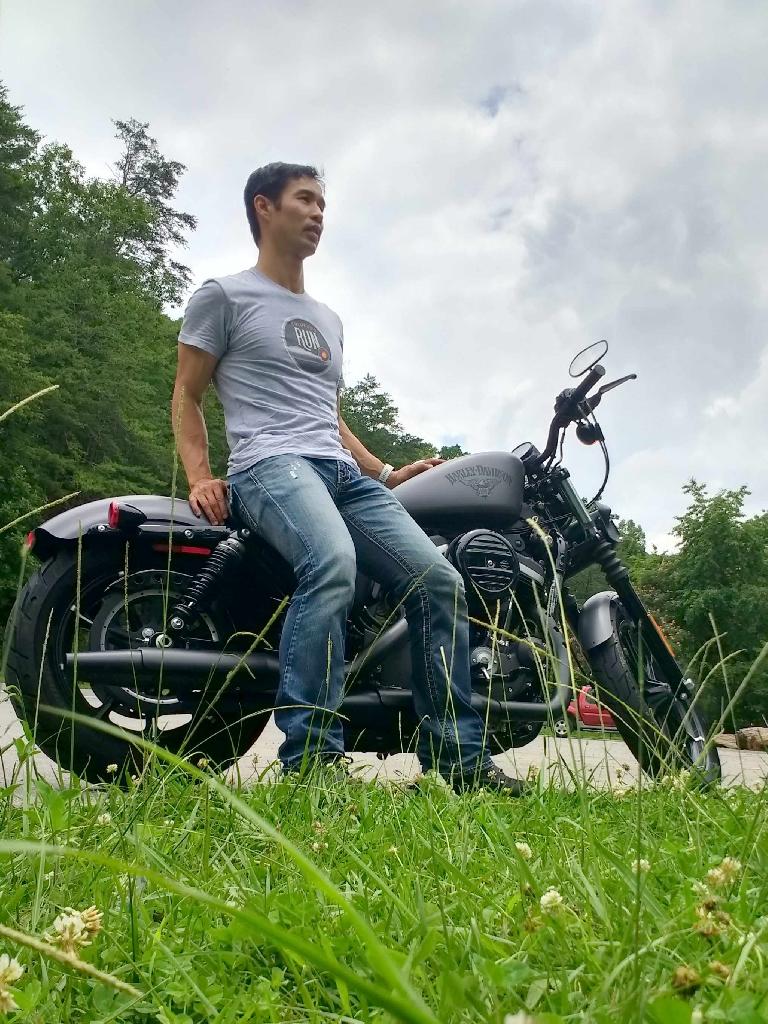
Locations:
(306, 346)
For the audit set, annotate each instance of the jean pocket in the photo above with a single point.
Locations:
(242, 513)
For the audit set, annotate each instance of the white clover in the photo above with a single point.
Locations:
(104, 819)
(551, 900)
(69, 932)
(7, 1002)
(641, 865)
(203, 763)
(524, 850)
(730, 867)
(73, 929)
(111, 769)
(392, 850)
(10, 970)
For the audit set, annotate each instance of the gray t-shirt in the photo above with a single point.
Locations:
(279, 368)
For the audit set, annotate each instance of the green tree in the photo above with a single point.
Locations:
(720, 576)
(372, 417)
(451, 451)
(145, 174)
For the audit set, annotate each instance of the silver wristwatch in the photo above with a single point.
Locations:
(386, 469)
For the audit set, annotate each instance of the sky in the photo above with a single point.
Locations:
(506, 183)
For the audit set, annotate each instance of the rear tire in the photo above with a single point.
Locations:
(34, 677)
(663, 732)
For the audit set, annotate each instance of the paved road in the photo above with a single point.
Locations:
(598, 760)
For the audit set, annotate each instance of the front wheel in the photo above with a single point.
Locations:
(665, 732)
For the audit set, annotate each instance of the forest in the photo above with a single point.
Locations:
(87, 267)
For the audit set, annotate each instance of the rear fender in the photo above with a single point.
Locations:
(596, 621)
(91, 520)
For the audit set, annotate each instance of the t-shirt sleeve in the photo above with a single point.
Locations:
(206, 319)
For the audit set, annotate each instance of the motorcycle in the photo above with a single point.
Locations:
(167, 627)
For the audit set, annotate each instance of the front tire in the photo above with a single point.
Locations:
(664, 732)
(41, 631)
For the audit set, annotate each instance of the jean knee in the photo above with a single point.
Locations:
(442, 578)
(336, 571)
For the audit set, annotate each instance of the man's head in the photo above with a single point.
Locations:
(284, 204)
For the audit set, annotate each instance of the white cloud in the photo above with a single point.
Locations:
(505, 184)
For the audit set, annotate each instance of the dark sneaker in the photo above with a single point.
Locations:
(491, 778)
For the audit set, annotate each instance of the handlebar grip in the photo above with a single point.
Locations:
(580, 393)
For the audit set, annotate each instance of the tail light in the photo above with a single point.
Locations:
(124, 516)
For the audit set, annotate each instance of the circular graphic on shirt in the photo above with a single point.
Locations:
(306, 346)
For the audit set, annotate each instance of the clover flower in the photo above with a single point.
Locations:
(686, 978)
(720, 969)
(319, 847)
(392, 850)
(104, 819)
(319, 827)
(524, 850)
(203, 763)
(724, 873)
(640, 865)
(73, 929)
(10, 972)
(111, 769)
(551, 900)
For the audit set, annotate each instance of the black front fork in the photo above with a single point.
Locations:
(617, 575)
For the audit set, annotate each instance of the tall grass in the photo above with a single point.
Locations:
(331, 899)
(341, 900)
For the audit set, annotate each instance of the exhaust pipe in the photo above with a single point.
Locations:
(185, 670)
(191, 670)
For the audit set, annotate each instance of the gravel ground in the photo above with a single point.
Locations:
(597, 760)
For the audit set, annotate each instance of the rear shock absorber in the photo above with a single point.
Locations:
(225, 557)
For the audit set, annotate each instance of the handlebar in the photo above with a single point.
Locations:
(567, 408)
(580, 393)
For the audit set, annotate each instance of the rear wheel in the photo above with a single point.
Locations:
(116, 612)
(665, 732)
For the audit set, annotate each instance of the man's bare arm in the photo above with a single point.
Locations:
(371, 466)
(367, 462)
(193, 375)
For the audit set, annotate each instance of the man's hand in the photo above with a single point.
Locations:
(397, 476)
(209, 498)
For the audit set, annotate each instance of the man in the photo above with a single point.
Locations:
(300, 478)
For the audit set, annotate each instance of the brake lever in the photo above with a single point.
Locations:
(594, 401)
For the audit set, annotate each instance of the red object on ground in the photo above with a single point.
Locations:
(587, 713)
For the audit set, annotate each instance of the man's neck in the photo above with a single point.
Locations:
(286, 271)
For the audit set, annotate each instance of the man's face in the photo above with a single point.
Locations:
(296, 222)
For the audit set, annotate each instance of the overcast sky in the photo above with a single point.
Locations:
(506, 182)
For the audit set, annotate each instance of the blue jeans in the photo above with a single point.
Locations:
(327, 520)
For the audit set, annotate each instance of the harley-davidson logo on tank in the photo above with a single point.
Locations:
(482, 479)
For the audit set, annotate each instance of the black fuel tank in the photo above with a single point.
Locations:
(485, 489)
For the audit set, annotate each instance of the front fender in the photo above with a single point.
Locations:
(596, 621)
(91, 518)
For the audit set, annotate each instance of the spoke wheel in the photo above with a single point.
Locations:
(113, 612)
(664, 730)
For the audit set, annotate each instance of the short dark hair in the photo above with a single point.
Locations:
(270, 181)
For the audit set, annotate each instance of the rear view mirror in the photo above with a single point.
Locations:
(587, 358)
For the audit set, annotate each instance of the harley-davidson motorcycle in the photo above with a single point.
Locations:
(146, 617)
